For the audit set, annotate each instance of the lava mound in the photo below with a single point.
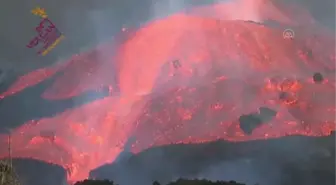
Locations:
(184, 79)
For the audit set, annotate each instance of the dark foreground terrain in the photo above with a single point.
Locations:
(294, 160)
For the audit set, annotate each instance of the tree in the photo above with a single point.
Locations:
(178, 182)
(95, 182)
(7, 174)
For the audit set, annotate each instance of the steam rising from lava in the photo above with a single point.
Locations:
(229, 67)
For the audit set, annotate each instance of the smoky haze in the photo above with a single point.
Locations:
(274, 161)
(87, 23)
(250, 171)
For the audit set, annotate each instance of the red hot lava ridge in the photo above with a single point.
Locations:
(228, 68)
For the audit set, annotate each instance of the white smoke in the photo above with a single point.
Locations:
(248, 10)
(161, 9)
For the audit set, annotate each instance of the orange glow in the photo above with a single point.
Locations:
(228, 68)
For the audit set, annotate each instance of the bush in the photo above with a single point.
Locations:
(7, 174)
(178, 182)
(202, 182)
(95, 182)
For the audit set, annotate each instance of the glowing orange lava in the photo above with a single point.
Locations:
(28, 80)
(228, 68)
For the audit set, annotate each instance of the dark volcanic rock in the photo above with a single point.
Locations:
(249, 122)
(266, 114)
(318, 78)
(252, 121)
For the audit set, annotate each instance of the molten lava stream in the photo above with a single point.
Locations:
(95, 72)
(30, 79)
(227, 68)
(77, 139)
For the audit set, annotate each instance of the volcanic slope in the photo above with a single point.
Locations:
(227, 68)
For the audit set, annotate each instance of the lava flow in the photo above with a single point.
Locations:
(187, 78)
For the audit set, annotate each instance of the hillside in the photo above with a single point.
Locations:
(194, 76)
(287, 161)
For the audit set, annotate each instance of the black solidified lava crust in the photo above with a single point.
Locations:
(251, 121)
(318, 78)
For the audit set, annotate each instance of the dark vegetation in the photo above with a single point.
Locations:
(178, 182)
